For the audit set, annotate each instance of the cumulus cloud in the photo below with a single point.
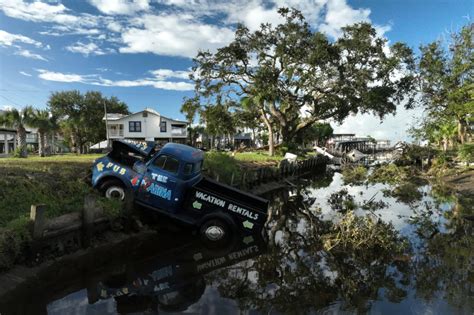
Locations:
(126, 7)
(88, 49)
(173, 35)
(26, 74)
(9, 39)
(162, 80)
(340, 14)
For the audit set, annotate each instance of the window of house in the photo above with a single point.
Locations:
(167, 163)
(135, 126)
(163, 126)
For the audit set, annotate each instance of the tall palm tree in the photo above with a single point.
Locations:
(41, 120)
(18, 119)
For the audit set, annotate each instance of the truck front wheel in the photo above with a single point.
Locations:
(113, 189)
(216, 232)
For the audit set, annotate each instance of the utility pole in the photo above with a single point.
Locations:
(106, 125)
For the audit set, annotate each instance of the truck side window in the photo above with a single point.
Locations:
(188, 169)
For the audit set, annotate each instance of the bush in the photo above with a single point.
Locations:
(13, 241)
(221, 165)
(466, 153)
(354, 175)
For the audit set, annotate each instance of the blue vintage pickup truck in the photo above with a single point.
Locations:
(170, 181)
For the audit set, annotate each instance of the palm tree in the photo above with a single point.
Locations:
(18, 119)
(41, 120)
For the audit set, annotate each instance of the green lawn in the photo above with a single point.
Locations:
(256, 157)
(57, 181)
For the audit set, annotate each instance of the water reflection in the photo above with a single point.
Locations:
(374, 254)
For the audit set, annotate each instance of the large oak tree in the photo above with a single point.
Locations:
(295, 76)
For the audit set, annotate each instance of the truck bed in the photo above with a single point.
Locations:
(213, 195)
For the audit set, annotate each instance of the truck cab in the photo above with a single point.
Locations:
(170, 181)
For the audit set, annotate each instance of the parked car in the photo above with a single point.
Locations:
(170, 181)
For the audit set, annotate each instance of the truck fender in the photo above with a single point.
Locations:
(110, 175)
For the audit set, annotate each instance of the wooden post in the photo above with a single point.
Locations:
(37, 215)
(88, 212)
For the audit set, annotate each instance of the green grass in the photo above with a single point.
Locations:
(56, 181)
(256, 157)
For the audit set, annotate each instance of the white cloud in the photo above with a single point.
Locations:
(88, 49)
(126, 7)
(37, 11)
(173, 35)
(26, 74)
(8, 39)
(340, 14)
(61, 77)
(393, 127)
(159, 82)
(28, 54)
(163, 74)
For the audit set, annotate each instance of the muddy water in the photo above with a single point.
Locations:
(327, 252)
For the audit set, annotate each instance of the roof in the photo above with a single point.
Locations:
(184, 152)
(117, 116)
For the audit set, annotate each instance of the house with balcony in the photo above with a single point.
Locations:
(147, 125)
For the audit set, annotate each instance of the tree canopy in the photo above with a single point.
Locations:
(82, 114)
(295, 76)
(446, 82)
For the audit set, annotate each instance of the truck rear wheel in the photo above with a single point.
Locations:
(216, 232)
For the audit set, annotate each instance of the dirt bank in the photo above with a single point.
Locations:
(462, 183)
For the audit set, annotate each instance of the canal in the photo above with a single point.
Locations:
(331, 248)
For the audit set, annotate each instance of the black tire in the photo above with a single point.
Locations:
(216, 232)
(114, 188)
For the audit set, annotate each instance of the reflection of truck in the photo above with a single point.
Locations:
(173, 279)
(170, 181)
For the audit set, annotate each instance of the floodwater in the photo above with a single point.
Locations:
(387, 256)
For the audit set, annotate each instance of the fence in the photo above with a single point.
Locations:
(68, 232)
(250, 178)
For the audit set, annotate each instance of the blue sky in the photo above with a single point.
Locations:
(141, 50)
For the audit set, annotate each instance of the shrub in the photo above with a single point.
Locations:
(466, 153)
(221, 165)
(354, 175)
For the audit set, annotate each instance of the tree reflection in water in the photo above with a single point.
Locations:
(353, 261)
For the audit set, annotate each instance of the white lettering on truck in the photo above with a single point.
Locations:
(242, 211)
(210, 199)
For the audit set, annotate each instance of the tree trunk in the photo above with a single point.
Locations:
(22, 142)
(41, 136)
(462, 127)
(271, 145)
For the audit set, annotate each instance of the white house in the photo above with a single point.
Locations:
(146, 125)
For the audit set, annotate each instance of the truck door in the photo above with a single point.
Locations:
(161, 183)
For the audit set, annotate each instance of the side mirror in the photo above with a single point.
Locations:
(139, 167)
